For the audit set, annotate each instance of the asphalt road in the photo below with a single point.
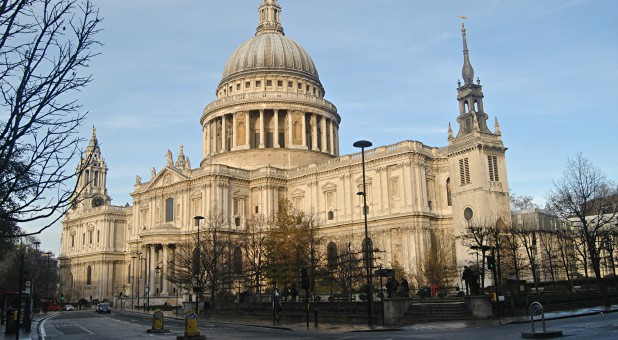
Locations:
(119, 325)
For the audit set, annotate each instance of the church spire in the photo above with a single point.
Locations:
(93, 145)
(467, 71)
(270, 18)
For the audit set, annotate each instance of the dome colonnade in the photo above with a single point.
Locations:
(270, 98)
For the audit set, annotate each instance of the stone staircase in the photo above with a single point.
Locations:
(423, 312)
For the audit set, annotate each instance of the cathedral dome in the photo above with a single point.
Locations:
(269, 51)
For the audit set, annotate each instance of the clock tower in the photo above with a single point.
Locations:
(91, 185)
(477, 163)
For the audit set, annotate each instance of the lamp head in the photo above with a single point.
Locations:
(362, 144)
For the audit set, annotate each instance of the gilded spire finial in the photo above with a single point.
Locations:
(467, 72)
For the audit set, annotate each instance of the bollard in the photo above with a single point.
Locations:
(157, 323)
(315, 317)
(191, 329)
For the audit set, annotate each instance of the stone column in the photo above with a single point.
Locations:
(324, 144)
(234, 131)
(304, 129)
(164, 270)
(151, 269)
(332, 138)
(314, 131)
(262, 139)
(248, 130)
(288, 116)
(205, 140)
(223, 133)
(276, 132)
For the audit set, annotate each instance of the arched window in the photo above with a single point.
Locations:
(448, 192)
(237, 261)
(169, 210)
(331, 254)
(368, 242)
(89, 276)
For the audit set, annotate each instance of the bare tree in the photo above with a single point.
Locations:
(587, 197)
(566, 253)
(476, 237)
(439, 266)
(549, 245)
(203, 265)
(349, 270)
(217, 256)
(45, 45)
(253, 243)
(513, 260)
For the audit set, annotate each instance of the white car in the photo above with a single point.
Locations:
(68, 307)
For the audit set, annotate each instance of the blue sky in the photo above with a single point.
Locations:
(548, 70)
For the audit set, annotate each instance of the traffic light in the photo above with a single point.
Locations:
(62, 297)
(304, 279)
(491, 262)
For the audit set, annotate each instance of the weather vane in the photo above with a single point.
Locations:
(462, 17)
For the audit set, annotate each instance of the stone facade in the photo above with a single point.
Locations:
(270, 135)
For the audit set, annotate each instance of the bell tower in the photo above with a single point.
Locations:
(92, 183)
(477, 162)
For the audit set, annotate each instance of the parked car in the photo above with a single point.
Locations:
(68, 308)
(103, 308)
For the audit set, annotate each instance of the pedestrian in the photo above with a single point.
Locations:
(391, 286)
(405, 287)
(294, 293)
(467, 276)
(276, 305)
(207, 308)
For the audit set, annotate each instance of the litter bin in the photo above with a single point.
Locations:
(11, 321)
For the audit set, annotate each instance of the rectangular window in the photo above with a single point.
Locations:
(247, 85)
(84, 238)
(464, 171)
(493, 168)
(300, 86)
(290, 84)
(280, 83)
(258, 83)
(238, 87)
(169, 210)
(90, 236)
(269, 83)
(73, 240)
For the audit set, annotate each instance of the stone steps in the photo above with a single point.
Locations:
(436, 312)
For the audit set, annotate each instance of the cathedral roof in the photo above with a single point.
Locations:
(269, 50)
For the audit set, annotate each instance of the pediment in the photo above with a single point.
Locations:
(298, 193)
(329, 186)
(167, 177)
(359, 180)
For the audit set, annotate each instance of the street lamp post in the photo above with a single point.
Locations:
(362, 144)
(133, 257)
(199, 281)
(139, 261)
(48, 254)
